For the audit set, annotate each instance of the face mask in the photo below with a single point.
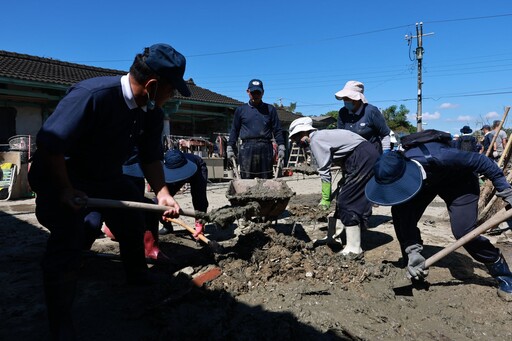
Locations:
(304, 143)
(349, 105)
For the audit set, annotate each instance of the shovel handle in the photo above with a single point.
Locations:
(110, 203)
(189, 229)
(494, 221)
(235, 168)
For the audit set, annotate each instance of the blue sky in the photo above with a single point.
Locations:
(303, 51)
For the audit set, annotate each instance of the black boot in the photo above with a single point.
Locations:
(501, 272)
(59, 289)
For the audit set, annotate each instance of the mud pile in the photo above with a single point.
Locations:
(265, 257)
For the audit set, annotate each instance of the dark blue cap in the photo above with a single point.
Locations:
(168, 64)
(255, 85)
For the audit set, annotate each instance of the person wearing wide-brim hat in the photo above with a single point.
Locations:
(466, 141)
(181, 168)
(410, 181)
(357, 157)
(362, 118)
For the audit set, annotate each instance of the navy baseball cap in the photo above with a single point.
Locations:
(177, 167)
(397, 179)
(255, 85)
(169, 64)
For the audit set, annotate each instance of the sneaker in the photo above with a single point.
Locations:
(166, 229)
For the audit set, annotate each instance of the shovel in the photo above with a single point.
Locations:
(235, 168)
(223, 216)
(406, 289)
(216, 247)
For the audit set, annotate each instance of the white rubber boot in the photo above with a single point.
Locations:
(333, 233)
(353, 247)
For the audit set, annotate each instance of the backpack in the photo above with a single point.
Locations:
(466, 143)
(429, 135)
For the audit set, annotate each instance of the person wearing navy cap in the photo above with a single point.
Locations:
(410, 181)
(80, 152)
(256, 123)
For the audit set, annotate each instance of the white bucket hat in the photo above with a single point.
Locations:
(353, 90)
(301, 124)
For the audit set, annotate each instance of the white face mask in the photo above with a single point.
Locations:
(423, 173)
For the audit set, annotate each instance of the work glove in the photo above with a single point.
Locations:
(416, 264)
(325, 203)
(280, 151)
(506, 195)
(230, 153)
(199, 229)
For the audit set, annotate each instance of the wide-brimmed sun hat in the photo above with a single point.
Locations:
(353, 90)
(396, 180)
(177, 167)
(301, 124)
(466, 130)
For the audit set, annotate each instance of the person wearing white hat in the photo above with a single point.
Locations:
(357, 157)
(362, 118)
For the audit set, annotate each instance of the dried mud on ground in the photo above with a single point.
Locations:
(273, 285)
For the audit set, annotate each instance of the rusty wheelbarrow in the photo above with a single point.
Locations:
(272, 196)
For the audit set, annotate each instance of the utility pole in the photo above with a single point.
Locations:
(419, 57)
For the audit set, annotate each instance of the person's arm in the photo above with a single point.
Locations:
(154, 173)
(56, 166)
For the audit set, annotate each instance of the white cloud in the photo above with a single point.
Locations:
(466, 118)
(448, 106)
(428, 116)
(491, 115)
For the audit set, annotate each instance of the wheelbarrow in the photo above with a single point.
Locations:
(271, 195)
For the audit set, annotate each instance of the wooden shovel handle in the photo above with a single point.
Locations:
(189, 229)
(494, 221)
(110, 203)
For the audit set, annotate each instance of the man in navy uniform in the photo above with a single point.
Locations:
(255, 123)
(81, 149)
(409, 182)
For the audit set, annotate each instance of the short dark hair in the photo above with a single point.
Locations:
(496, 123)
(139, 70)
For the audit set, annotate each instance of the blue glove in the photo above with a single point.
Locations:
(230, 153)
(506, 195)
(280, 151)
(325, 203)
(416, 264)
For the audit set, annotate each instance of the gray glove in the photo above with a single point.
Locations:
(416, 265)
(280, 151)
(506, 195)
(230, 153)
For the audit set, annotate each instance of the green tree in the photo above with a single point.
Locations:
(291, 108)
(397, 119)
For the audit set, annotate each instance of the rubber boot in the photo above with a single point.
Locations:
(501, 272)
(152, 250)
(334, 231)
(353, 248)
(59, 289)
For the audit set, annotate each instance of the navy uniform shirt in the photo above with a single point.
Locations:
(256, 122)
(370, 123)
(451, 162)
(96, 130)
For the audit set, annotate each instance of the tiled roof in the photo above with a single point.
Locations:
(47, 70)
